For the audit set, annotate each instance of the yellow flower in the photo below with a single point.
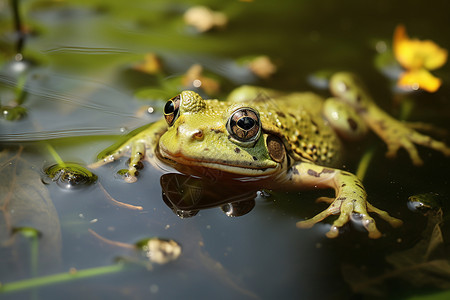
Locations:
(417, 57)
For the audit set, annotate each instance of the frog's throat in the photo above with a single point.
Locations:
(221, 166)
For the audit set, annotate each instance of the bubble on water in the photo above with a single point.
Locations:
(239, 208)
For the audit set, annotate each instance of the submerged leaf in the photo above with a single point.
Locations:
(26, 203)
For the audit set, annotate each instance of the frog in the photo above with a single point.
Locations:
(286, 140)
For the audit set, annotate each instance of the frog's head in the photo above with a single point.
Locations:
(215, 135)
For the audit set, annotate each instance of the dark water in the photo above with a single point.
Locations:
(82, 94)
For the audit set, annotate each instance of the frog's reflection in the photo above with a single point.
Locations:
(187, 195)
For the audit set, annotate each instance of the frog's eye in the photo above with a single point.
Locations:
(244, 125)
(171, 110)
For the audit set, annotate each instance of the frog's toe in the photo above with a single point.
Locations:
(366, 221)
(394, 222)
(413, 153)
(369, 224)
(325, 200)
(392, 150)
(314, 220)
(104, 161)
(409, 147)
(437, 145)
(424, 140)
(333, 232)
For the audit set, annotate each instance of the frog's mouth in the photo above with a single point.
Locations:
(231, 167)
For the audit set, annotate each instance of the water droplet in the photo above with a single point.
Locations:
(197, 83)
(18, 57)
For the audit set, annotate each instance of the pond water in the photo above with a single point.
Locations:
(83, 93)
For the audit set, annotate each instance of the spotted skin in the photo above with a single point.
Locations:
(291, 140)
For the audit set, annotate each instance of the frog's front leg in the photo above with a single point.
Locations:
(139, 146)
(350, 198)
(395, 134)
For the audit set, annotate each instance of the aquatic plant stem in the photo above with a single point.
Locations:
(18, 25)
(55, 155)
(26, 284)
(365, 162)
(406, 107)
(19, 90)
(34, 255)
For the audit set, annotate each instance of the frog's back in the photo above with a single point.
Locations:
(297, 119)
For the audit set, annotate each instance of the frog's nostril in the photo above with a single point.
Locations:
(198, 135)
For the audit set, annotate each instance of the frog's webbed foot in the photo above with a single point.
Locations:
(394, 222)
(137, 154)
(139, 145)
(350, 201)
(395, 134)
(400, 135)
(348, 209)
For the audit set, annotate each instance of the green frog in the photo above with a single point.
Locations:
(288, 140)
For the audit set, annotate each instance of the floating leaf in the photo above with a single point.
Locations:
(204, 19)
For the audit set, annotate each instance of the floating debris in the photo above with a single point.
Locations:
(260, 65)
(154, 249)
(160, 251)
(194, 78)
(205, 19)
(69, 176)
(151, 64)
